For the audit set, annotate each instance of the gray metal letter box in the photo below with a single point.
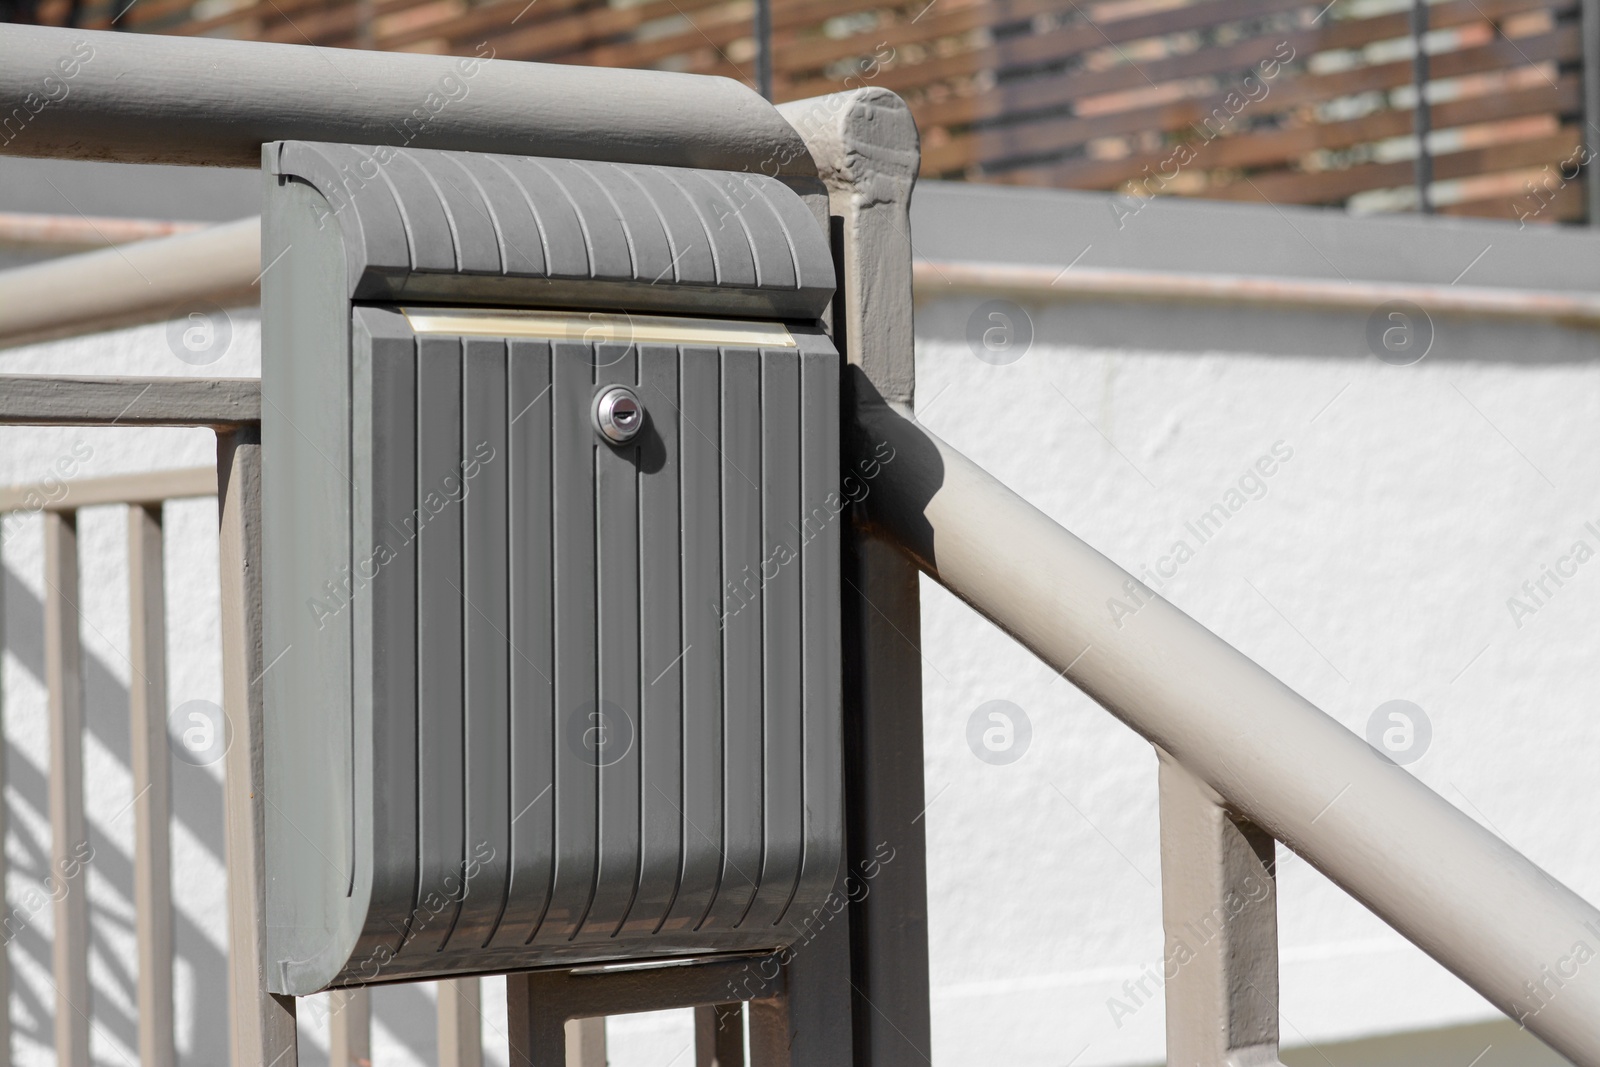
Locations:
(551, 561)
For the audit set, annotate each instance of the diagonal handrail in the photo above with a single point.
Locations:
(1466, 898)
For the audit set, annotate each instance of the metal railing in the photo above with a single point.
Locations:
(59, 503)
(1244, 759)
(144, 495)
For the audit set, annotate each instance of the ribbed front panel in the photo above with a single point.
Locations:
(626, 657)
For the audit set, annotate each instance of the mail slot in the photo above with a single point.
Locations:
(550, 563)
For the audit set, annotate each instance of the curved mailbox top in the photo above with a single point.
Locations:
(477, 228)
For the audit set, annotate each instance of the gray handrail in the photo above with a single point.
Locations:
(1472, 902)
(143, 98)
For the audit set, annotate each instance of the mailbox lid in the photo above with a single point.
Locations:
(477, 228)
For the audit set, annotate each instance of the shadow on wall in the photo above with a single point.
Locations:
(197, 806)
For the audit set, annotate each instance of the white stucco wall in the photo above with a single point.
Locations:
(1375, 565)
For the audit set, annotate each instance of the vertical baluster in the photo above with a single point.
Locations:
(263, 1033)
(69, 844)
(5, 940)
(460, 1023)
(586, 1042)
(350, 1028)
(1219, 906)
(534, 1039)
(152, 784)
(719, 1036)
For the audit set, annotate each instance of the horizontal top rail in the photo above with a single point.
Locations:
(936, 279)
(49, 300)
(138, 98)
(1449, 885)
(66, 400)
(140, 488)
(24, 229)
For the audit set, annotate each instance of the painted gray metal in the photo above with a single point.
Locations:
(1219, 909)
(5, 959)
(261, 1024)
(1453, 888)
(460, 1017)
(70, 400)
(70, 850)
(544, 698)
(542, 1005)
(152, 781)
(143, 98)
(350, 1027)
(456, 227)
(719, 1035)
(867, 151)
(120, 286)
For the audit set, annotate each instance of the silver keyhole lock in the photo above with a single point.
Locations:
(618, 414)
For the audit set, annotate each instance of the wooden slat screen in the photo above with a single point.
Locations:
(1282, 100)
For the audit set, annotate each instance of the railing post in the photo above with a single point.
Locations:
(69, 843)
(536, 1035)
(460, 1022)
(586, 1042)
(719, 1036)
(263, 1032)
(152, 783)
(350, 1028)
(1219, 905)
(866, 148)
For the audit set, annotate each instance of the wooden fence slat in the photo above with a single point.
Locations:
(152, 784)
(1287, 145)
(1334, 185)
(566, 26)
(1563, 203)
(1013, 99)
(950, 21)
(70, 853)
(903, 77)
(992, 147)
